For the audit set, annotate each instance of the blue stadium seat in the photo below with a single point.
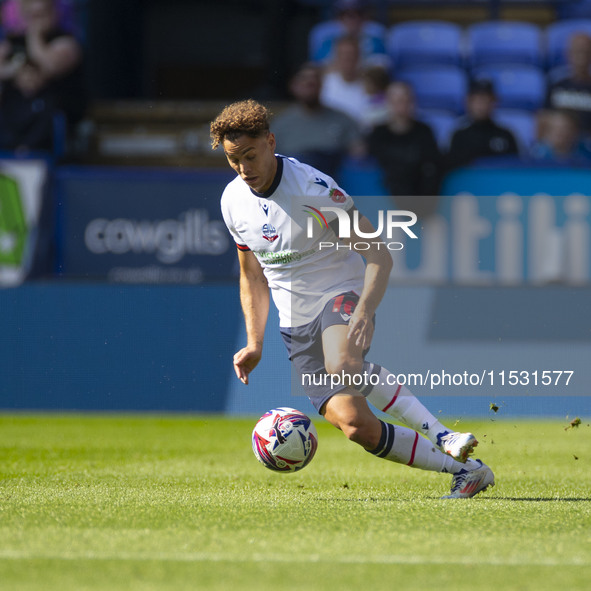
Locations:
(504, 42)
(517, 86)
(425, 42)
(521, 123)
(442, 87)
(322, 34)
(442, 123)
(557, 36)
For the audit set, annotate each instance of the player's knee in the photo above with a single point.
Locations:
(352, 416)
(344, 365)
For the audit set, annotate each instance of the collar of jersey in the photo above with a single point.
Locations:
(275, 183)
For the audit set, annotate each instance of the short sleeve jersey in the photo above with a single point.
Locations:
(302, 270)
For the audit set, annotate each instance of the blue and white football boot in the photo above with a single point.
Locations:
(458, 445)
(467, 483)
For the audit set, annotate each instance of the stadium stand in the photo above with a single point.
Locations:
(504, 42)
(437, 87)
(521, 123)
(426, 43)
(517, 86)
(323, 35)
(557, 36)
(442, 123)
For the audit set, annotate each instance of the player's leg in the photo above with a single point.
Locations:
(349, 412)
(343, 357)
(397, 400)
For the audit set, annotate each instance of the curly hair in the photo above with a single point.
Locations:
(242, 118)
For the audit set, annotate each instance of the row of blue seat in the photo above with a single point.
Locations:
(442, 42)
(445, 87)
(521, 123)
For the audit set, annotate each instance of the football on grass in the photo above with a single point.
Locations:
(284, 440)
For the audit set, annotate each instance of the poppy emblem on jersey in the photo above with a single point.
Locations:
(337, 196)
(270, 233)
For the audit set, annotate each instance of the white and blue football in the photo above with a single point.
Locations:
(284, 440)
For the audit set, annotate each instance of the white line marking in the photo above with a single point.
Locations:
(301, 559)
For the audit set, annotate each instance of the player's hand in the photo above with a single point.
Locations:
(245, 361)
(361, 328)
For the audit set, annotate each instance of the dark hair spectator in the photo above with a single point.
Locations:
(478, 136)
(376, 80)
(311, 132)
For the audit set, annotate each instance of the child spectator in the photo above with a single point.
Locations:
(375, 81)
(560, 139)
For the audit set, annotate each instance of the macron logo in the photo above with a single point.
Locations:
(321, 182)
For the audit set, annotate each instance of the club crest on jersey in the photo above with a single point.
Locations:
(270, 233)
(337, 196)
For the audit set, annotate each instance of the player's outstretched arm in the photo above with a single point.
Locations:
(254, 298)
(377, 274)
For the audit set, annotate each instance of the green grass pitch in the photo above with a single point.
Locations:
(179, 502)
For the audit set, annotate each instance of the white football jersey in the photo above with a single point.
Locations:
(274, 226)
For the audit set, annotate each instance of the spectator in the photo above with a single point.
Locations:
(479, 136)
(342, 86)
(560, 139)
(406, 151)
(352, 16)
(573, 92)
(315, 134)
(376, 80)
(41, 74)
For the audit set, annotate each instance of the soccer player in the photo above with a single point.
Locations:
(326, 299)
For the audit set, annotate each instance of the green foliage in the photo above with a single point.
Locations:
(156, 503)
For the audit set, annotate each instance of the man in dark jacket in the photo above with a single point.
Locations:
(479, 136)
(406, 150)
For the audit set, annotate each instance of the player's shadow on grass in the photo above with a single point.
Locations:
(477, 498)
(540, 499)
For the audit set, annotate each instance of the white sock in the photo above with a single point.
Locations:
(398, 401)
(405, 446)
